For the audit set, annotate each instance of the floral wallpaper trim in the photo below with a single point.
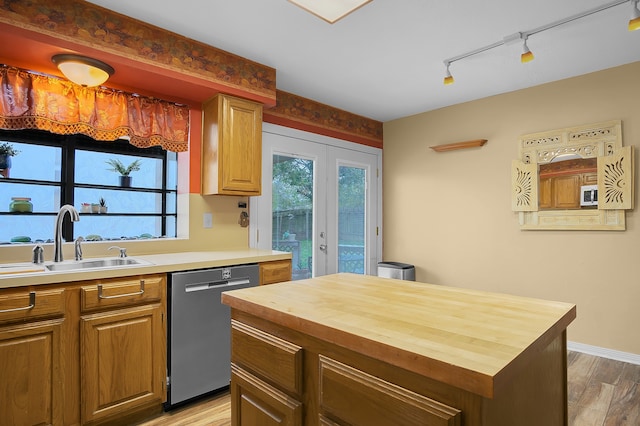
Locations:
(96, 27)
(306, 114)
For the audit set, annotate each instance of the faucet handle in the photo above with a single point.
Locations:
(123, 251)
(78, 247)
(38, 254)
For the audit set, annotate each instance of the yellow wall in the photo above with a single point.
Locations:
(450, 213)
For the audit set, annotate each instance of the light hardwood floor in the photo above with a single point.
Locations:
(602, 392)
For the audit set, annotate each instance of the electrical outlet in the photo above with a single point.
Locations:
(207, 220)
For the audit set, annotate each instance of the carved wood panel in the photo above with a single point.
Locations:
(614, 177)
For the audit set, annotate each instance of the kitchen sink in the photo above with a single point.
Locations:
(114, 262)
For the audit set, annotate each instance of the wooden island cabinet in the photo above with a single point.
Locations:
(348, 349)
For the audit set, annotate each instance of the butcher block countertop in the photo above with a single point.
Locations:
(476, 341)
(27, 274)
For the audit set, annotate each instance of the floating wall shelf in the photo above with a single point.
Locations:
(458, 145)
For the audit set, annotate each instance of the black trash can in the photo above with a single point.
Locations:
(397, 270)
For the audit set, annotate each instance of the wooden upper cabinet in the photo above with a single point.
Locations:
(231, 146)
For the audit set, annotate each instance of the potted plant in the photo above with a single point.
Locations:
(6, 152)
(103, 205)
(124, 171)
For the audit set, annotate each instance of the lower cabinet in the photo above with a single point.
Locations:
(91, 352)
(122, 346)
(31, 351)
(31, 388)
(275, 381)
(121, 361)
(256, 402)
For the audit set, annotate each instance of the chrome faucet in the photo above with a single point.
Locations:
(57, 242)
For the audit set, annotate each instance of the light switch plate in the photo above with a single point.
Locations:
(207, 220)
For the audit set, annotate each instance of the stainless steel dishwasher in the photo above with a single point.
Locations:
(199, 335)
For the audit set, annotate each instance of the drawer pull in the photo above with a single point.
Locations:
(32, 304)
(137, 293)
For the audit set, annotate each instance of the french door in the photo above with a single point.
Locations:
(320, 201)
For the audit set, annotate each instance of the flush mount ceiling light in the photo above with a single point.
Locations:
(330, 10)
(527, 55)
(83, 70)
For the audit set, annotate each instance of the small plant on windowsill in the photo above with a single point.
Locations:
(6, 152)
(124, 171)
(103, 205)
(7, 149)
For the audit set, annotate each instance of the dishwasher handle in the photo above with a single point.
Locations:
(216, 284)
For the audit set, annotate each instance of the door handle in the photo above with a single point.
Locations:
(323, 247)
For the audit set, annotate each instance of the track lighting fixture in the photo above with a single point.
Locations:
(448, 78)
(527, 55)
(634, 22)
(82, 70)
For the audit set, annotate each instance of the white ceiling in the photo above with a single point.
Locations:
(385, 60)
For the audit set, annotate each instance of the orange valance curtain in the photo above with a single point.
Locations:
(34, 101)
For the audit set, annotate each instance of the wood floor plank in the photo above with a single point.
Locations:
(625, 405)
(631, 372)
(597, 396)
(579, 372)
(607, 371)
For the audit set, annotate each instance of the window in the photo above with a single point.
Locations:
(53, 170)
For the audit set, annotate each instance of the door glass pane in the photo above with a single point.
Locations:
(292, 211)
(351, 219)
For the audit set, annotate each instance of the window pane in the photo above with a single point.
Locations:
(172, 202)
(36, 162)
(292, 204)
(45, 198)
(120, 201)
(106, 227)
(351, 219)
(92, 168)
(35, 228)
(172, 170)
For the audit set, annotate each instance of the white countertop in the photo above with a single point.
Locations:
(154, 263)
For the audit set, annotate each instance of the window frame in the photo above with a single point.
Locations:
(69, 145)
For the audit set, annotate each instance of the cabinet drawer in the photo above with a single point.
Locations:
(267, 356)
(358, 398)
(28, 304)
(275, 272)
(119, 292)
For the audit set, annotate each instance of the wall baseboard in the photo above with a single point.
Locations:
(604, 352)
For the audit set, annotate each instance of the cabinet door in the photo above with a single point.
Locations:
(566, 192)
(242, 146)
(231, 146)
(255, 402)
(31, 388)
(122, 361)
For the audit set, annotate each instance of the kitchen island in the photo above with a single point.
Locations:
(362, 350)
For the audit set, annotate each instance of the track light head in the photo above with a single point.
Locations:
(448, 78)
(527, 55)
(634, 22)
